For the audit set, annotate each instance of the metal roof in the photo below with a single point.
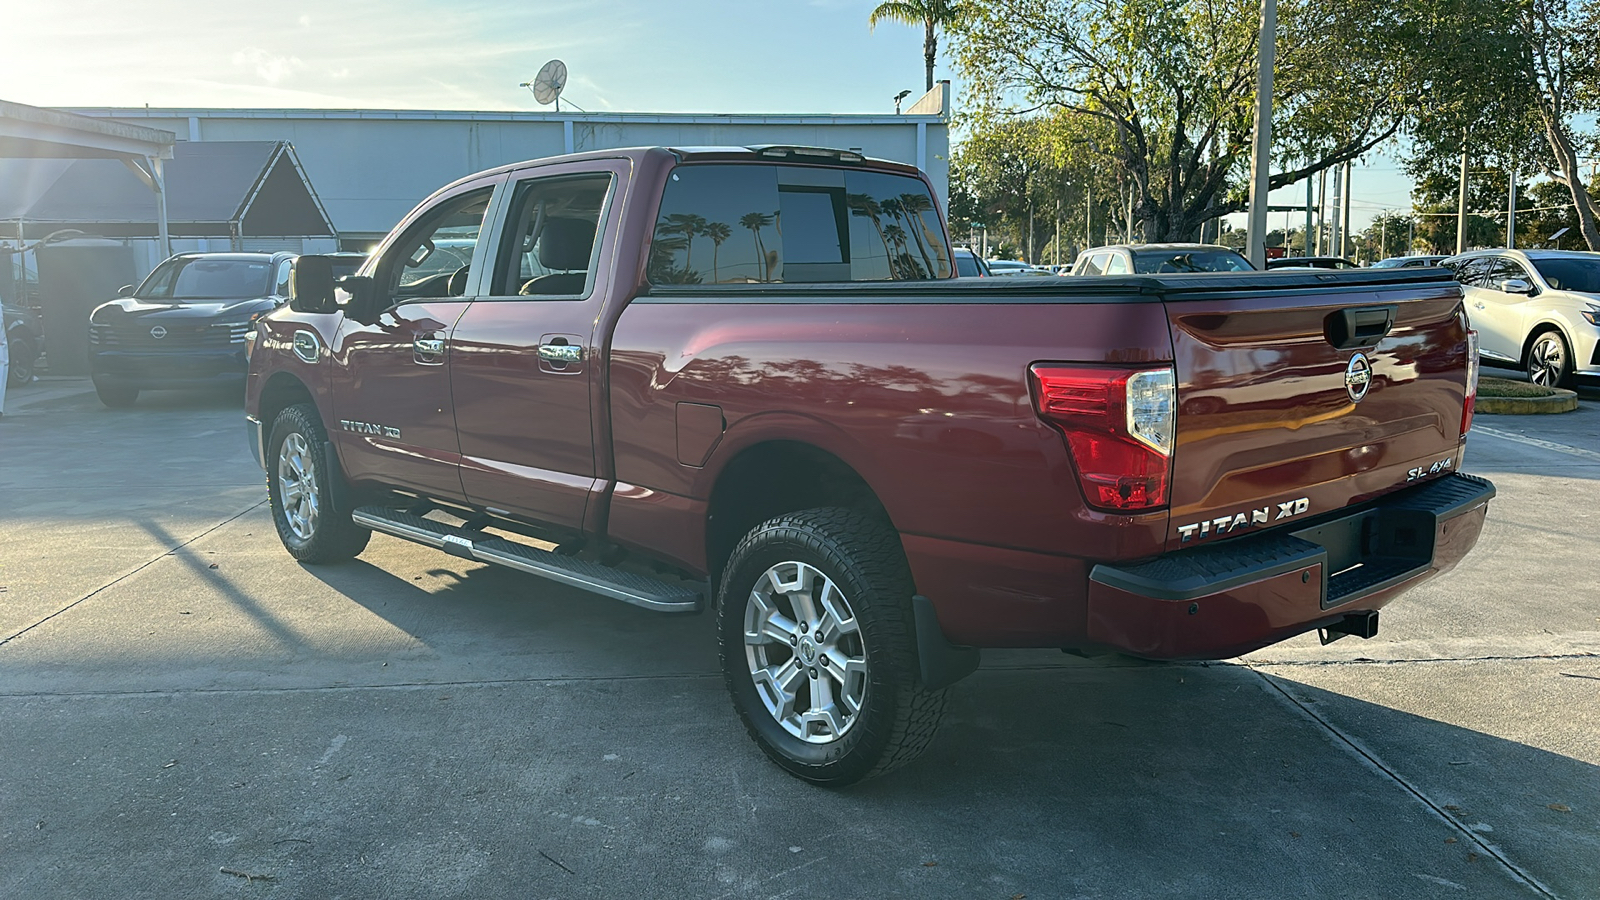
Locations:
(32, 132)
(255, 186)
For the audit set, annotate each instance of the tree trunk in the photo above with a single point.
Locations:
(930, 49)
(1567, 159)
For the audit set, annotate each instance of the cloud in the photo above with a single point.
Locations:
(271, 68)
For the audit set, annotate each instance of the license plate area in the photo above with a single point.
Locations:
(1371, 550)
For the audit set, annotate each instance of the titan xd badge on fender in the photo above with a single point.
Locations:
(1357, 377)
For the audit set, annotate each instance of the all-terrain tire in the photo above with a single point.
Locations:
(856, 560)
(300, 491)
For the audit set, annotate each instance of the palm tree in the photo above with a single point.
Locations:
(915, 205)
(718, 232)
(931, 14)
(866, 205)
(690, 225)
(756, 221)
(895, 206)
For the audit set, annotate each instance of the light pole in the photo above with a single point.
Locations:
(1261, 151)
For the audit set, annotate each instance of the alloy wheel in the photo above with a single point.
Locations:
(297, 486)
(805, 652)
(1547, 360)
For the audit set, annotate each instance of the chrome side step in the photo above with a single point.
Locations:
(651, 593)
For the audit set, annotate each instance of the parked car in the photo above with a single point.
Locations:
(1407, 262)
(1007, 268)
(1536, 310)
(1311, 262)
(1154, 259)
(24, 341)
(185, 325)
(867, 469)
(969, 264)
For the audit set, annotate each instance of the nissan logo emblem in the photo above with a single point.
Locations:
(158, 332)
(1357, 377)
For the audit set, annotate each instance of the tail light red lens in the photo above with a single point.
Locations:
(1118, 423)
(1472, 382)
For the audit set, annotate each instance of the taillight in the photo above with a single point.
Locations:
(1472, 382)
(1118, 424)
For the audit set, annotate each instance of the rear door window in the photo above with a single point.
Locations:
(550, 247)
(1473, 271)
(1093, 264)
(753, 224)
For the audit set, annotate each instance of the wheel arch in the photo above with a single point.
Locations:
(282, 391)
(774, 477)
(1539, 328)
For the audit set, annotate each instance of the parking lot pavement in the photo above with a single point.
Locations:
(187, 712)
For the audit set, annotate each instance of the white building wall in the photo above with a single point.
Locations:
(370, 167)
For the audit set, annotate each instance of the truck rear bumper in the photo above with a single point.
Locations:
(1219, 601)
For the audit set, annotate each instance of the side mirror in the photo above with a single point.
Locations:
(1516, 286)
(125, 291)
(311, 285)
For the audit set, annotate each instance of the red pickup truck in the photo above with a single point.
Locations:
(747, 378)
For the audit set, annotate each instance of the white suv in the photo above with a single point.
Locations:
(1537, 310)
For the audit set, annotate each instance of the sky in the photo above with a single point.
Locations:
(707, 56)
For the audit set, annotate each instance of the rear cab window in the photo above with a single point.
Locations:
(763, 224)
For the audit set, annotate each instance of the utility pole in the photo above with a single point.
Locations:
(1511, 210)
(1461, 211)
(1335, 239)
(1057, 242)
(1088, 212)
(1344, 212)
(1261, 150)
(1305, 249)
(1322, 209)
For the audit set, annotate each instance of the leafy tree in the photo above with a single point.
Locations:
(1171, 84)
(1509, 81)
(930, 14)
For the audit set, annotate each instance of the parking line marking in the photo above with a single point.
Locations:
(1536, 442)
(1362, 753)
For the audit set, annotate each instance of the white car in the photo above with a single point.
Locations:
(1536, 310)
(1001, 268)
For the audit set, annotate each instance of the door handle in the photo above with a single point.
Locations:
(428, 351)
(561, 353)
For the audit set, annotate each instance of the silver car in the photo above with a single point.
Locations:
(1537, 310)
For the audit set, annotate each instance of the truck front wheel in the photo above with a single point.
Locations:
(299, 491)
(818, 647)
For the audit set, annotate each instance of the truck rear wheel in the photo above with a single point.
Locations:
(818, 647)
(299, 491)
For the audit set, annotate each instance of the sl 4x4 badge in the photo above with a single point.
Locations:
(1226, 524)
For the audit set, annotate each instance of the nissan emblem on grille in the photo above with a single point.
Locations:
(1357, 377)
(158, 332)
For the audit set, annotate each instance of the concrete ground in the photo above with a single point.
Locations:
(186, 712)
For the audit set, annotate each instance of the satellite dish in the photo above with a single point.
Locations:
(548, 83)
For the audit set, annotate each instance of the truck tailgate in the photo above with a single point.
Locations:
(1280, 420)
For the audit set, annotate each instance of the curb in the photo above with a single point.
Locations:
(1559, 402)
